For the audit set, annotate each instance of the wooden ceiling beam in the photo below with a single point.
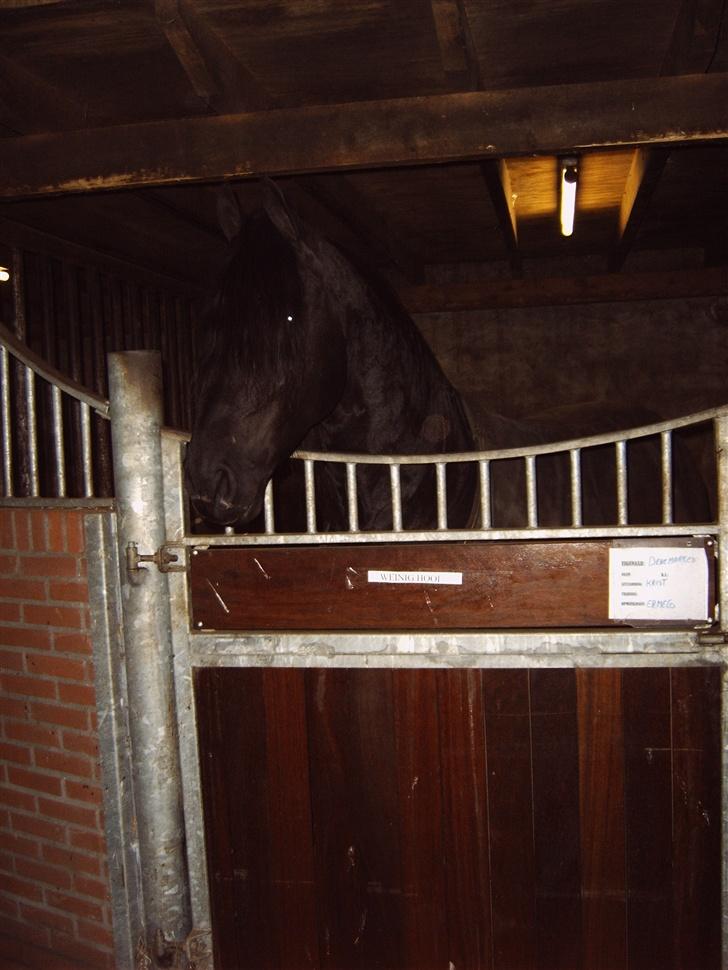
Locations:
(566, 291)
(644, 174)
(457, 53)
(404, 131)
(498, 180)
(170, 19)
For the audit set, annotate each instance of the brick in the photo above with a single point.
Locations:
(22, 636)
(75, 539)
(45, 917)
(11, 659)
(34, 734)
(68, 617)
(10, 613)
(82, 694)
(95, 933)
(65, 812)
(95, 888)
(40, 827)
(74, 861)
(56, 878)
(83, 953)
(7, 531)
(15, 753)
(38, 530)
(29, 686)
(8, 564)
(68, 592)
(49, 567)
(88, 841)
(18, 845)
(36, 780)
(13, 707)
(8, 907)
(16, 799)
(51, 665)
(78, 643)
(56, 531)
(19, 887)
(81, 743)
(58, 714)
(22, 530)
(79, 907)
(22, 589)
(66, 764)
(25, 933)
(81, 792)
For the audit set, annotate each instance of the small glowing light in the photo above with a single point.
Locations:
(4, 274)
(569, 175)
(290, 319)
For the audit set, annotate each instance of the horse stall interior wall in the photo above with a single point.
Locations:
(54, 890)
(507, 819)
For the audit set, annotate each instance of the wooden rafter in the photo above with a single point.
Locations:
(170, 19)
(405, 131)
(457, 53)
(498, 180)
(644, 174)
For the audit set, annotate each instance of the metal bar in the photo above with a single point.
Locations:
(396, 489)
(310, 497)
(268, 513)
(32, 432)
(20, 323)
(620, 448)
(136, 391)
(441, 482)
(59, 452)
(484, 475)
(531, 497)
(7, 427)
(351, 496)
(721, 461)
(576, 494)
(666, 470)
(87, 466)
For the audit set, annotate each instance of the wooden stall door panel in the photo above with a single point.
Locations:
(494, 819)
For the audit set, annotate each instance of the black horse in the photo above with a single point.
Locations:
(304, 352)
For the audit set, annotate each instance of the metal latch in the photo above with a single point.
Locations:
(165, 559)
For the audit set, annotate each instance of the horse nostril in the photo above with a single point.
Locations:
(224, 487)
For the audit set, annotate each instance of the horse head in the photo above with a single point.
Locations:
(274, 365)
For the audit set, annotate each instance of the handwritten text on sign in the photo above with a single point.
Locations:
(658, 583)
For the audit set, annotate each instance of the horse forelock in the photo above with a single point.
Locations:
(255, 336)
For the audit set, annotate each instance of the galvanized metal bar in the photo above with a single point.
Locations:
(484, 477)
(19, 323)
(396, 490)
(666, 475)
(721, 462)
(531, 495)
(351, 497)
(6, 422)
(268, 512)
(441, 485)
(136, 393)
(59, 452)
(620, 448)
(575, 479)
(309, 477)
(87, 465)
(32, 433)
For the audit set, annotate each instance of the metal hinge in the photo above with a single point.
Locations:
(165, 559)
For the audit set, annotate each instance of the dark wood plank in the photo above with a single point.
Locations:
(510, 814)
(231, 727)
(557, 860)
(405, 131)
(421, 792)
(530, 584)
(353, 766)
(696, 812)
(465, 818)
(601, 771)
(648, 817)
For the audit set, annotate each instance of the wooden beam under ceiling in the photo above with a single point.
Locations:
(644, 174)
(497, 178)
(566, 291)
(367, 134)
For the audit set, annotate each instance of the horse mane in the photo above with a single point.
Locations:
(251, 335)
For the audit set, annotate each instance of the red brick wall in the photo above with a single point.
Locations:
(53, 870)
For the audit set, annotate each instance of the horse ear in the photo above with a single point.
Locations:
(228, 212)
(276, 207)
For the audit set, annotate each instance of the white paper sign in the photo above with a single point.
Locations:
(658, 583)
(414, 576)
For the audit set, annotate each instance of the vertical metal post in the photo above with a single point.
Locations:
(721, 464)
(135, 388)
